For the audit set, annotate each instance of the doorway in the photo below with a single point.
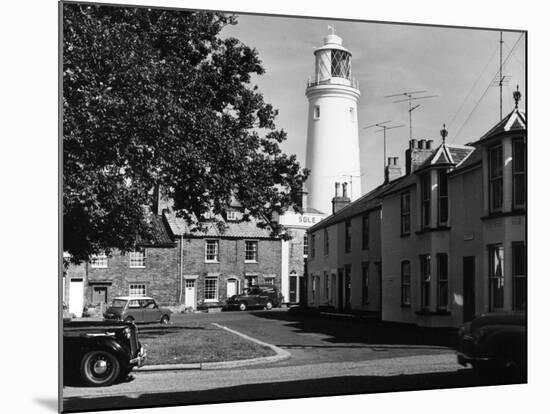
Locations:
(232, 287)
(190, 296)
(469, 291)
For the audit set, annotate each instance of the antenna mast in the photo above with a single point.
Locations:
(410, 96)
(384, 128)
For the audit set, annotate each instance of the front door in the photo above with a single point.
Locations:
(302, 290)
(76, 296)
(292, 289)
(231, 287)
(469, 279)
(190, 293)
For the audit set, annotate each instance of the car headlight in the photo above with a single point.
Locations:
(127, 333)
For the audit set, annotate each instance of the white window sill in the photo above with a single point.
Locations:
(137, 267)
(251, 261)
(210, 300)
(211, 261)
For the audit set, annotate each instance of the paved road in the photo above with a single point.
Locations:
(328, 357)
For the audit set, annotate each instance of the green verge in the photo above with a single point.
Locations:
(196, 342)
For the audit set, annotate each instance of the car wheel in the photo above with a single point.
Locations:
(99, 368)
(129, 319)
(165, 319)
(269, 305)
(242, 306)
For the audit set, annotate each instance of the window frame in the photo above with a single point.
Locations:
(442, 198)
(496, 177)
(306, 245)
(442, 281)
(496, 302)
(519, 275)
(254, 252)
(347, 236)
(216, 258)
(137, 258)
(406, 214)
(317, 112)
(137, 286)
(365, 281)
(99, 261)
(425, 200)
(519, 176)
(405, 284)
(425, 281)
(208, 290)
(365, 224)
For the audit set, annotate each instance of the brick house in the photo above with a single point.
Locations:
(151, 269)
(214, 264)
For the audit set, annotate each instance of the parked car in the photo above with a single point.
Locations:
(255, 297)
(494, 342)
(137, 309)
(100, 352)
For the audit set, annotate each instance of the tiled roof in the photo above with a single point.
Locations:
(447, 154)
(475, 157)
(367, 202)
(234, 229)
(160, 235)
(514, 121)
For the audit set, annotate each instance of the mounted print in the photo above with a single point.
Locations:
(261, 207)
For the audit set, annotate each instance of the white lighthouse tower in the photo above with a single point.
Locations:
(332, 136)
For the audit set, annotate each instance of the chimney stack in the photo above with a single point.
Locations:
(340, 200)
(418, 152)
(393, 170)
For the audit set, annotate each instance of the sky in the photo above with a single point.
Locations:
(455, 64)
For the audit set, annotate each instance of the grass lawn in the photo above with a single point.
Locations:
(196, 342)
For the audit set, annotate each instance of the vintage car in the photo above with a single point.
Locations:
(137, 310)
(494, 343)
(100, 352)
(255, 297)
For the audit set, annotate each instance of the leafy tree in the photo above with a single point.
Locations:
(158, 97)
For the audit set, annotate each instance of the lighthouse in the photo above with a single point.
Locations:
(332, 135)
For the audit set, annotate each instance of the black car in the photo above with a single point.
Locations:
(255, 297)
(494, 343)
(99, 353)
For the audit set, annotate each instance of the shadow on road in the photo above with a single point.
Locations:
(292, 389)
(346, 330)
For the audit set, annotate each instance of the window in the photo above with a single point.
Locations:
(405, 213)
(425, 192)
(305, 245)
(519, 275)
(231, 216)
(340, 64)
(365, 282)
(495, 178)
(137, 290)
(98, 260)
(443, 198)
(327, 290)
(442, 281)
(137, 258)
(406, 283)
(496, 277)
(250, 251)
(348, 236)
(270, 281)
(347, 281)
(316, 112)
(211, 289)
(518, 173)
(250, 280)
(313, 287)
(211, 248)
(365, 231)
(326, 242)
(312, 246)
(425, 281)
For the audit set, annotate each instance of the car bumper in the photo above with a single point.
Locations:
(465, 359)
(139, 360)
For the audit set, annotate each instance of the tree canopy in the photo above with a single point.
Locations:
(159, 97)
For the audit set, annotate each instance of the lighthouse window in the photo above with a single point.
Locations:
(339, 64)
(317, 112)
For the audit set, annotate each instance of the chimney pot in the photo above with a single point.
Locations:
(412, 143)
(336, 189)
(421, 144)
(344, 190)
(429, 143)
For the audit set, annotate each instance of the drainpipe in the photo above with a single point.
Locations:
(181, 267)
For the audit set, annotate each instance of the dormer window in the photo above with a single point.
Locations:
(425, 199)
(518, 173)
(495, 178)
(443, 198)
(231, 216)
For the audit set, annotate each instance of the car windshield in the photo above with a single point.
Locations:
(118, 303)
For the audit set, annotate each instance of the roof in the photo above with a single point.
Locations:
(234, 229)
(369, 201)
(514, 121)
(447, 154)
(474, 158)
(160, 235)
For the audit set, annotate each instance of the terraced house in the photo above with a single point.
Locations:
(447, 240)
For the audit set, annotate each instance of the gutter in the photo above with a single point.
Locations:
(181, 267)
